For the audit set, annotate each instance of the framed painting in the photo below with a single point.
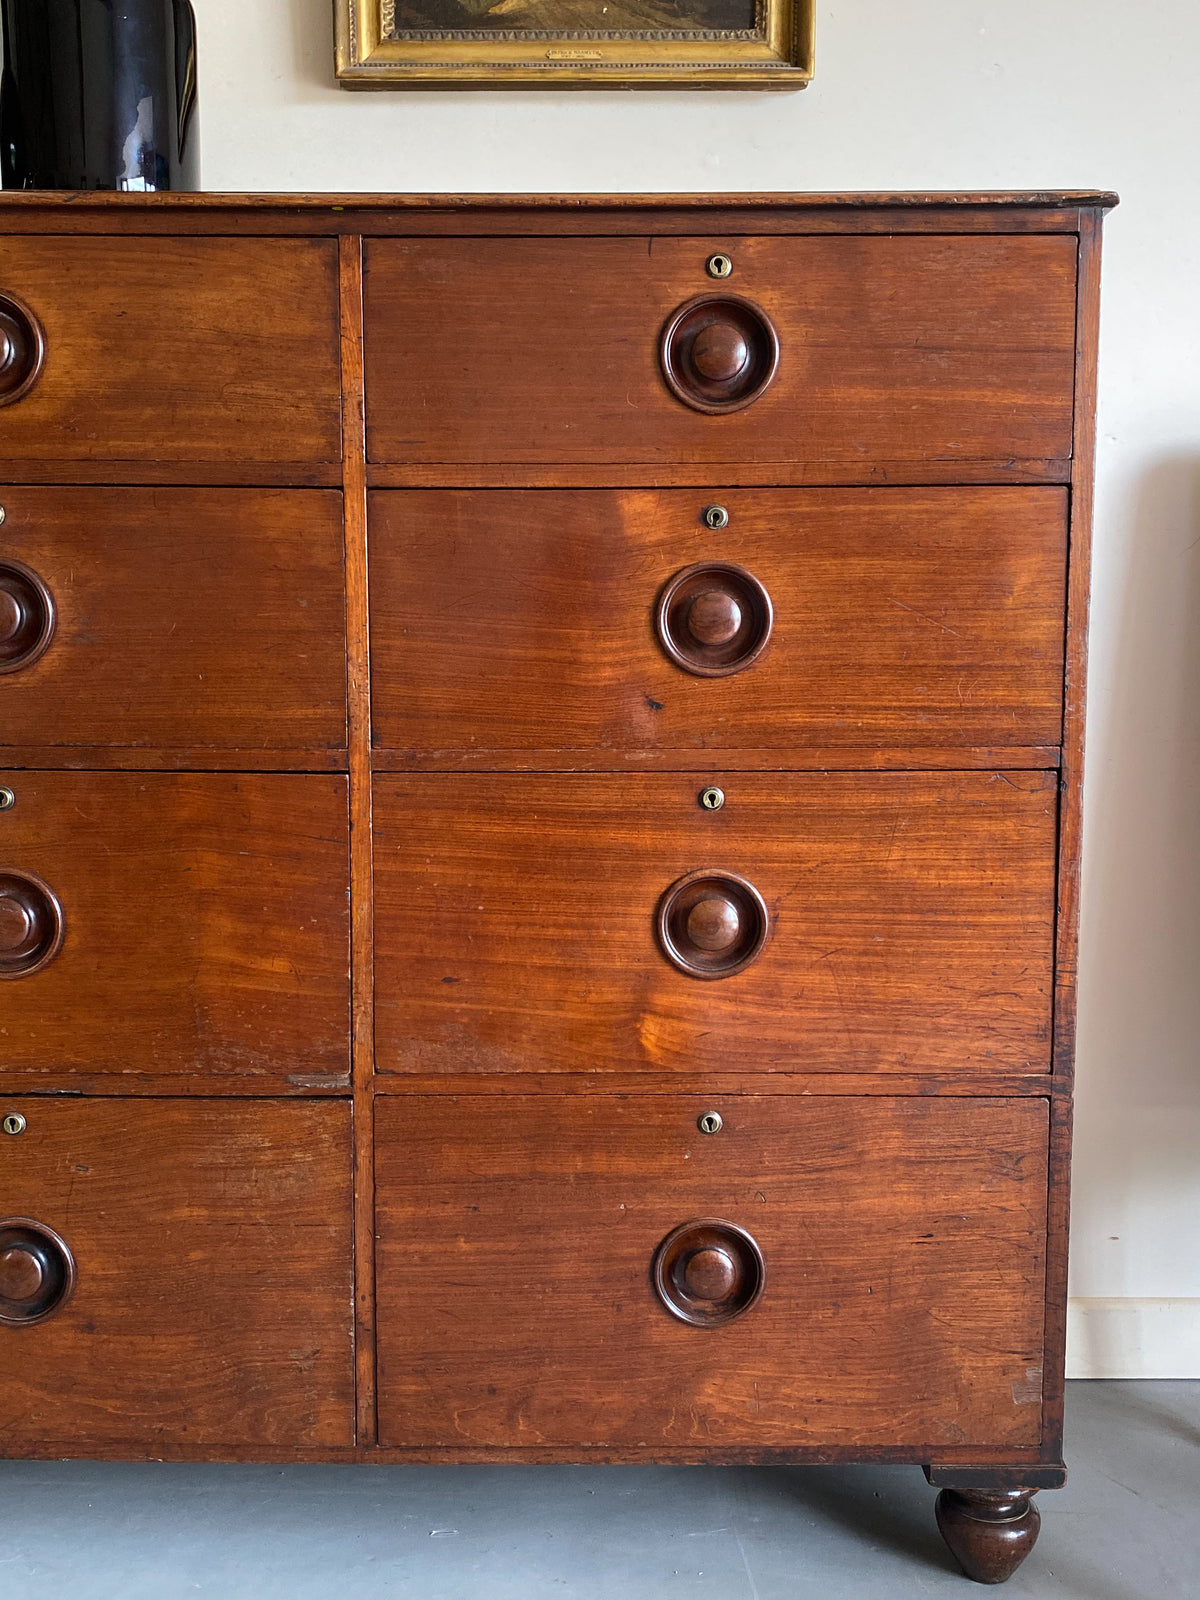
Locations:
(575, 43)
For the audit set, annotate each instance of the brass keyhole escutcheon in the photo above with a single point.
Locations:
(14, 1123)
(716, 517)
(711, 1122)
(712, 798)
(7, 799)
(719, 266)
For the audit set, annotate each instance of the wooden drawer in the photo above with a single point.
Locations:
(908, 921)
(220, 351)
(212, 1300)
(204, 926)
(901, 1243)
(891, 349)
(508, 628)
(194, 619)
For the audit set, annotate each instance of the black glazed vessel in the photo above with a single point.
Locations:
(98, 94)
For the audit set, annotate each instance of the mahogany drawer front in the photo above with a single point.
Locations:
(508, 625)
(902, 1273)
(202, 926)
(181, 618)
(211, 1246)
(180, 350)
(890, 349)
(908, 921)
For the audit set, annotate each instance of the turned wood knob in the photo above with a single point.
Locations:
(21, 1274)
(22, 349)
(719, 353)
(712, 924)
(19, 925)
(37, 1271)
(31, 924)
(26, 616)
(714, 619)
(708, 1272)
(11, 616)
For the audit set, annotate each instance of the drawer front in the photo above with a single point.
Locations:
(186, 925)
(186, 618)
(889, 1292)
(187, 350)
(907, 917)
(544, 351)
(507, 624)
(211, 1250)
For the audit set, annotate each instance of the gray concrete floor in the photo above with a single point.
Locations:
(1127, 1527)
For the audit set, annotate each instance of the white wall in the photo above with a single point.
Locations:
(932, 94)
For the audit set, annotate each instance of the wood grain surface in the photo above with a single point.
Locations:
(184, 617)
(205, 350)
(518, 625)
(481, 379)
(535, 351)
(358, 665)
(207, 927)
(911, 923)
(213, 1301)
(903, 1241)
(798, 474)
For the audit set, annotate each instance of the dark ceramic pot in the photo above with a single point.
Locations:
(99, 94)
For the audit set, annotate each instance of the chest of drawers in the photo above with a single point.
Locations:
(540, 752)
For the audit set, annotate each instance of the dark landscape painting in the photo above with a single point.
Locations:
(570, 18)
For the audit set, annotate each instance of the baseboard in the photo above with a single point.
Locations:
(1127, 1338)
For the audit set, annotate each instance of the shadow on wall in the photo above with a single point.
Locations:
(1137, 1167)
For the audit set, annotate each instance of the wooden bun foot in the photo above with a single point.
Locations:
(989, 1532)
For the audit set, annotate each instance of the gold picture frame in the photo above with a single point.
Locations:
(753, 44)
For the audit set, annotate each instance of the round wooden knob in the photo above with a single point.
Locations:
(19, 931)
(37, 1271)
(22, 349)
(719, 353)
(11, 617)
(26, 616)
(714, 619)
(31, 924)
(712, 924)
(708, 1272)
(21, 1274)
